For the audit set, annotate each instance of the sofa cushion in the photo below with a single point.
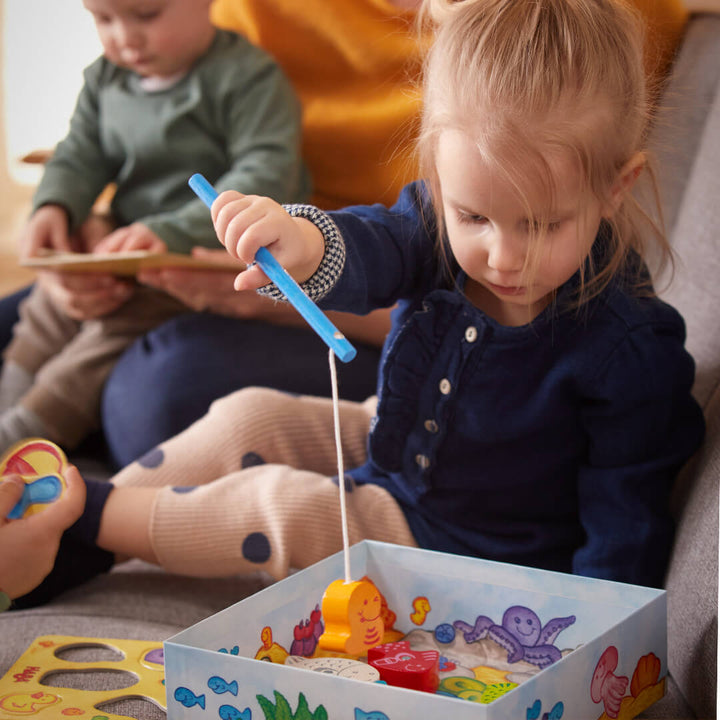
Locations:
(687, 97)
(687, 142)
(134, 601)
(692, 579)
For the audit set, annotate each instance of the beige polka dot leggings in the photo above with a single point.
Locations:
(253, 486)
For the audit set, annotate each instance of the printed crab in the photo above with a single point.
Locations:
(521, 634)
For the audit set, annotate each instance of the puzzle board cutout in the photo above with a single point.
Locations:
(24, 692)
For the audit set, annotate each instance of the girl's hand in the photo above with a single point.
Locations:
(131, 237)
(28, 546)
(245, 223)
(47, 228)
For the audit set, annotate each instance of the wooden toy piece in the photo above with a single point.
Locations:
(352, 612)
(41, 464)
(24, 692)
(340, 667)
(400, 666)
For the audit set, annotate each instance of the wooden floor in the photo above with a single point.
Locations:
(12, 216)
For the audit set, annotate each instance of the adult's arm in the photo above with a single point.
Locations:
(212, 290)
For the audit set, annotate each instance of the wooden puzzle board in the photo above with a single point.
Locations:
(124, 263)
(25, 691)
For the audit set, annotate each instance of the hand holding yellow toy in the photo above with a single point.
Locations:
(28, 545)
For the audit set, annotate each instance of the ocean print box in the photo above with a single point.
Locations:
(514, 643)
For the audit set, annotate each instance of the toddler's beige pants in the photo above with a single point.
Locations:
(252, 486)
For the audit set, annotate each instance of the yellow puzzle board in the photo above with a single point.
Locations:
(24, 692)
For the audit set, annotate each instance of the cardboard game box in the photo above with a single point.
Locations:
(514, 643)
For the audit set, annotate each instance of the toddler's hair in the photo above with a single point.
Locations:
(532, 80)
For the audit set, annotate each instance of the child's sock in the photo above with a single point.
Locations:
(78, 558)
(86, 527)
(15, 381)
(19, 423)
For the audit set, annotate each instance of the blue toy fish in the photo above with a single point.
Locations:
(188, 698)
(43, 490)
(220, 686)
(230, 712)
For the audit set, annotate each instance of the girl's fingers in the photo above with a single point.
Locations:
(251, 279)
(231, 222)
(241, 224)
(246, 232)
(220, 213)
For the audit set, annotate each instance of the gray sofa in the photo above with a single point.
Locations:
(137, 601)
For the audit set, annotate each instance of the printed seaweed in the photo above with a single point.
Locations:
(281, 710)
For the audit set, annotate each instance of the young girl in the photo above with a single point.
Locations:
(534, 399)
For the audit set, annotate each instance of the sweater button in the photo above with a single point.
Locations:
(431, 426)
(471, 333)
(445, 386)
(423, 461)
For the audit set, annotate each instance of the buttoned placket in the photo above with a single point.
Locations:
(431, 425)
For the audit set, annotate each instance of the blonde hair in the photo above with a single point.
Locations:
(529, 80)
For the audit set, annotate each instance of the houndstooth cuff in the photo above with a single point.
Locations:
(333, 262)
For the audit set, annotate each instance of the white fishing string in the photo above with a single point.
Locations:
(341, 469)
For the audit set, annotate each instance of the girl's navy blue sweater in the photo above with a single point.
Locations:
(554, 444)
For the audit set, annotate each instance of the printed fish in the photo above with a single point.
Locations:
(220, 686)
(188, 698)
(230, 712)
(372, 715)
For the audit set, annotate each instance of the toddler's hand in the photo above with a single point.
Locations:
(47, 228)
(245, 223)
(131, 237)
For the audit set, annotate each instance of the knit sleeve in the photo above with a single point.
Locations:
(642, 424)
(258, 117)
(331, 266)
(78, 170)
(373, 255)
